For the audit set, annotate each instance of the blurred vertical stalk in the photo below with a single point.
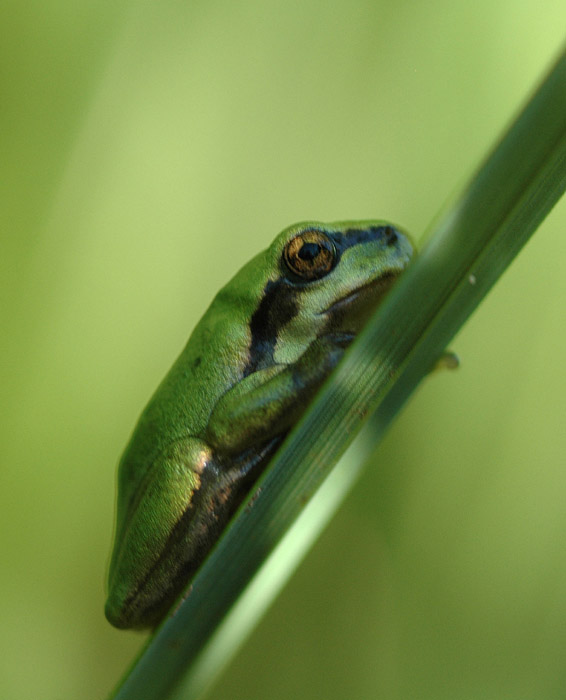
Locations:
(473, 241)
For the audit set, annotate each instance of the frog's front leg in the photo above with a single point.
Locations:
(270, 401)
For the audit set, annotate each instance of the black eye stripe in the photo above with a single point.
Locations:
(357, 236)
(277, 307)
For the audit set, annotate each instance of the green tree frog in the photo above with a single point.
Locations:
(261, 351)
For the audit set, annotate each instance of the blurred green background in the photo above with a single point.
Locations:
(148, 150)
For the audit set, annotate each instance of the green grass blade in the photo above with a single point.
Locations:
(470, 246)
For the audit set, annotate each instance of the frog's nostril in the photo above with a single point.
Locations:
(391, 236)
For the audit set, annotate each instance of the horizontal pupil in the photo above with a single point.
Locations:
(309, 251)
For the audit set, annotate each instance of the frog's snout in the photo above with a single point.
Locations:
(400, 240)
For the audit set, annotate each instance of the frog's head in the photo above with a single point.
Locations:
(327, 277)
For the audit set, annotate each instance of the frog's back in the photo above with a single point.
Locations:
(206, 368)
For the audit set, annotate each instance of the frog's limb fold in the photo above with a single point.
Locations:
(269, 402)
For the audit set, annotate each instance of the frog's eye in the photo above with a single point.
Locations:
(310, 255)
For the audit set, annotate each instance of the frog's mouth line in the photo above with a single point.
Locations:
(381, 286)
